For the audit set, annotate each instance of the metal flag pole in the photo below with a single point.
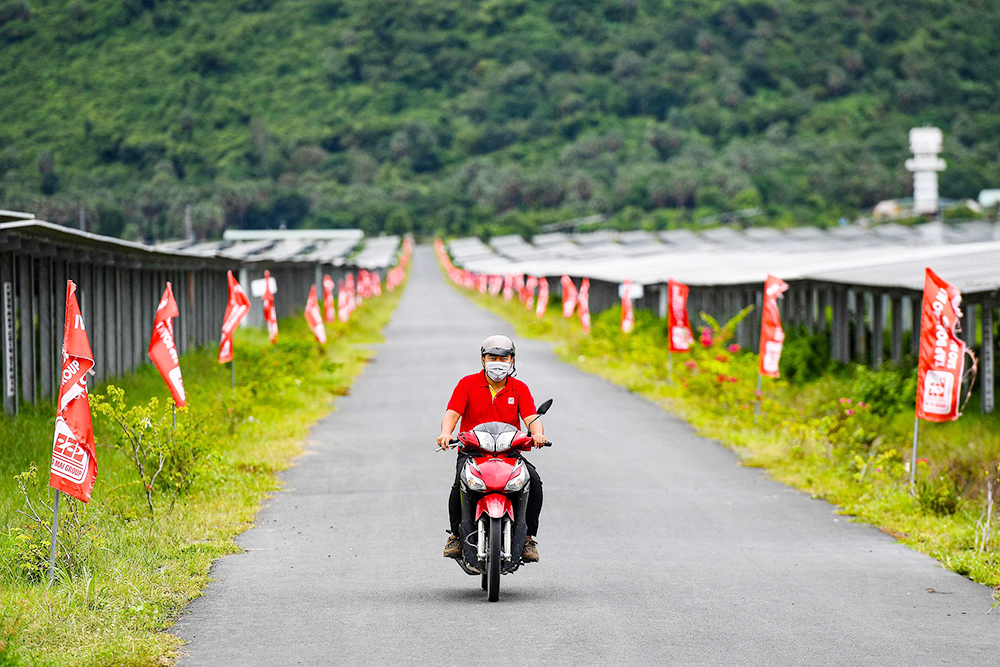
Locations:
(756, 410)
(913, 456)
(52, 549)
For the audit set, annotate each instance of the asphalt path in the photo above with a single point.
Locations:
(656, 548)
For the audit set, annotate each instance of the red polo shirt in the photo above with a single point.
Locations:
(474, 402)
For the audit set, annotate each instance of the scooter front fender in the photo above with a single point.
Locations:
(495, 505)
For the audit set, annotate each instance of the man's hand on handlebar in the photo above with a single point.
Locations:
(445, 441)
(539, 439)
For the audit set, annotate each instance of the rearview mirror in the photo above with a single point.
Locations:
(544, 407)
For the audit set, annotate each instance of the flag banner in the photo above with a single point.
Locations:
(628, 317)
(529, 292)
(496, 284)
(583, 305)
(236, 310)
(942, 354)
(162, 351)
(74, 461)
(772, 336)
(343, 303)
(483, 283)
(519, 287)
(543, 298)
(568, 296)
(270, 314)
(508, 287)
(353, 297)
(679, 326)
(313, 316)
(329, 307)
(376, 284)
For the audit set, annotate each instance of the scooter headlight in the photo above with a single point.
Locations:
(470, 480)
(517, 479)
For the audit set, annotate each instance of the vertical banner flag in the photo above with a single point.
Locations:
(519, 286)
(543, 298)
(236, 310)
(352, 297)
(483, 283)
(270, 314)
(568, 296)
(529, 292)
(314, 318)
(508, 287)
(678, 324)
(772, 336)
(343, 307)
(74, 463)
(329, 309)
(942, 353)
(583, 302)
(628, 317)
(496, 283)
(162, 351)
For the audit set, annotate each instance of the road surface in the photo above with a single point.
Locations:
(656, 548)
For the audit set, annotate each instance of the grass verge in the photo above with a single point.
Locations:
(136, 572)
(844, 437)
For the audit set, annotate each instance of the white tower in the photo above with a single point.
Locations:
(925, 142)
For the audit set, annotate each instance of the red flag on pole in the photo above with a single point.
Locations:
(568, 296)
(508, 287)
(678, 324)
(543, 298)
(343, 304)
(162, 351)
(239, 306)
(314, 318)
(628, 317)
(529, 292)
(519, 286)
(329, 309)
(74, 461)
(772, 336)
(583, 302)
(270, 314)
(942, 354)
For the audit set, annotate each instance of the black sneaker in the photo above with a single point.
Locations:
(530, 552)
(453, 549)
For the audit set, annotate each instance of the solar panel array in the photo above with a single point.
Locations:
(891, 256)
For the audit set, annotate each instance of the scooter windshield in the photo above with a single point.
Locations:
(495, 436)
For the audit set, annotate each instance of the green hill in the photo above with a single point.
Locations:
(494, 114)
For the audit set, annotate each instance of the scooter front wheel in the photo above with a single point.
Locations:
(493, 561)
(484, 580)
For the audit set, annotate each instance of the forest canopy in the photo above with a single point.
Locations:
(482, 116)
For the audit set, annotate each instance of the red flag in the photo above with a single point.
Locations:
(314, 318)
(239, 306)
(508, 287)
(628, 317)
(519, 286)
(583, 301)
(162, 351)
(329, 308)
(678, 324)
(352, 298)
(74, 461)
(772, 336)
(529, 292)
(343, 303)
(568, 296)
(942, 354)
(543, 298)
(270, 314)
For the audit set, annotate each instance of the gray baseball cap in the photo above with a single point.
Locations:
(497, 344)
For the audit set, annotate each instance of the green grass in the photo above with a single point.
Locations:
(806, 438)
(117, 609)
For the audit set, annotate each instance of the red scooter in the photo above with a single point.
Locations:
(494, 492)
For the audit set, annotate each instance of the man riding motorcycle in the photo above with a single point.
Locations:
(493, 395)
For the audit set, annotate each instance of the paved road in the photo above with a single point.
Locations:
(655, 547)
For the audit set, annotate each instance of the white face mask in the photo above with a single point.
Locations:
(497, 370)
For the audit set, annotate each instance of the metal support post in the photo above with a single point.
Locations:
(55, 540)
(986, 356)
